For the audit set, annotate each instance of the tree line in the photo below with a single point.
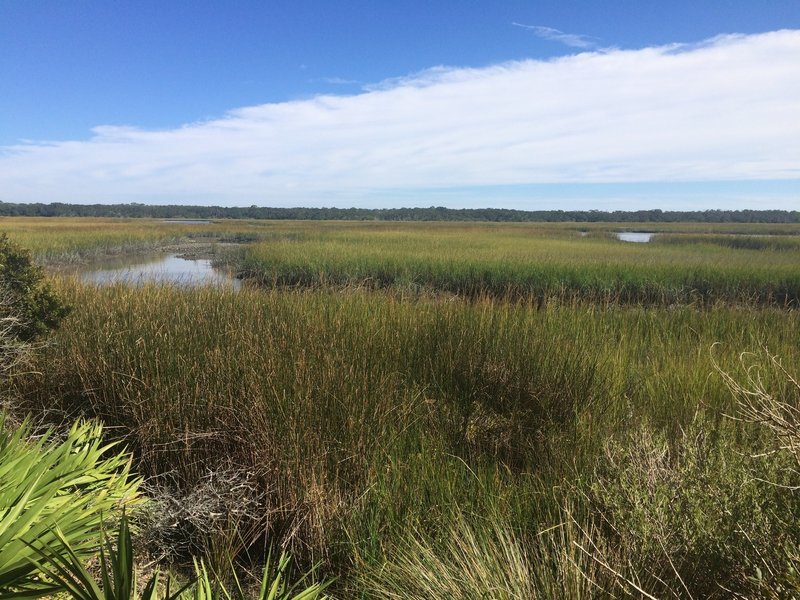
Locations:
(433, 213)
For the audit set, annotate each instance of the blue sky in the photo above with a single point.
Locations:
(609, 105)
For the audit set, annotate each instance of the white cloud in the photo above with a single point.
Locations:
(727, 109)
(574, 40)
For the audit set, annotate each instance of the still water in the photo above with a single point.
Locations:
(162, 269)
(634, 236)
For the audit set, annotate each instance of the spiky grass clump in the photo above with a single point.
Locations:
(118, 578)
(54, 492)
(474, 556)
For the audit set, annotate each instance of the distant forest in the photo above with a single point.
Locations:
(437, 213)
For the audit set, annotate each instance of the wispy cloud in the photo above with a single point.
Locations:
(574, 40)
(725, 110)
(339, 81)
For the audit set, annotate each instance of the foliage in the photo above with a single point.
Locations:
(785, 243)
(118, 576)
(68, 242)
(484, 556)
(760, 401)
(55, 492)
(273, 584)
(433, 213)
(690, 511)
(31, 301)
(13, 351)
(64, 566)
(767, 396)
(358, 417)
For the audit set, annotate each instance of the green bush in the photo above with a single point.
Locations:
(34, 306)
(696, 512)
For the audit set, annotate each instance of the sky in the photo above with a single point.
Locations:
(574, 105)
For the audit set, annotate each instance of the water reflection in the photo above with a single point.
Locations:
(634, 236)
(170, 269)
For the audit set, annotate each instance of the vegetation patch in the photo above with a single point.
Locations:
(405, 425)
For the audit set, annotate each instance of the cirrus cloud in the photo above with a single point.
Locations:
(574, 40)
(724, 110)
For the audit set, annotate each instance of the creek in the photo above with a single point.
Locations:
(169, 268)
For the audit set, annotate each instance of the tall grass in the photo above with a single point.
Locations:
(64, 241)
(524, 262)
(361, 417)
(735, 242)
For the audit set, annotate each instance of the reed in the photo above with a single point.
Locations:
(65, 241)
(360, 413)
(529, 261)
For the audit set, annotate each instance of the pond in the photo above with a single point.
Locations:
(634, 236)
(170, 269)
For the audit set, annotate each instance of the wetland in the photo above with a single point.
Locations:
(512, 403)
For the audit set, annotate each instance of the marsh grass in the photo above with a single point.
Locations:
(736, 241)
(360, 415)
(487, 557)
(515, 261)
(687, 263)
(66, 241)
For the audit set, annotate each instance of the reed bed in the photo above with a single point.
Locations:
(735, 242)
(527, 262)
(67, 241)
(366, 421)
(760, 229)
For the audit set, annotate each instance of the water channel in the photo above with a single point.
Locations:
(634, 236)
(170, 269)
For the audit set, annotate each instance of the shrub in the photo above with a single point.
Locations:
(34, 306)
(695, 512)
